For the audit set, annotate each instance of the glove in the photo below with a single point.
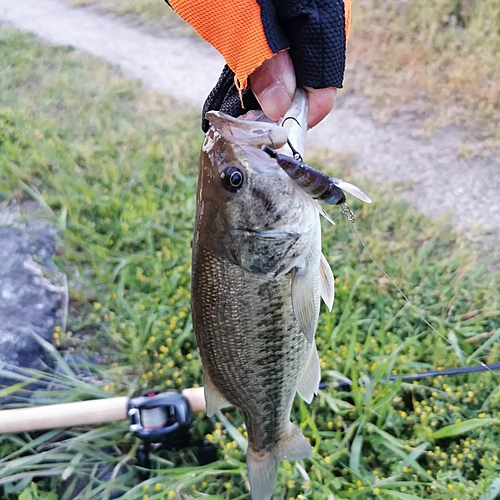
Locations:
(248, 32)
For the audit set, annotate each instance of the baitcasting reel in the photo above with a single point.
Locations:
(162, 420)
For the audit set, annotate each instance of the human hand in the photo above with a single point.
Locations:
(273, 84)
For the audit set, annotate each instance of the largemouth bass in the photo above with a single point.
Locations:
(257, 277)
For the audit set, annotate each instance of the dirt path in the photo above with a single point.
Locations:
(185, 68)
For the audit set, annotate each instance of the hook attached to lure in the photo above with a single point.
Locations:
(318, 185)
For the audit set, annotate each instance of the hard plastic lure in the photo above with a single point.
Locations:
(316, 184)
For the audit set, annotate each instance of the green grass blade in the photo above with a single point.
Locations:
(463, 427)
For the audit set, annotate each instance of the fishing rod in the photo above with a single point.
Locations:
(154, 415)
(161, 420)
(410, 377)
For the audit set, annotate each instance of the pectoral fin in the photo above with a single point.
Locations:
(303, 303)
(309, 383)
(213, 398)
(326, 282)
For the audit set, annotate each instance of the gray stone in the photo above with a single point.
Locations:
(33, 296)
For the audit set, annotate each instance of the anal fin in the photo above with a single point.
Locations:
(311, 377)
(294, 447)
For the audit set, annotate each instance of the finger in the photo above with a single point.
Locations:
(321, 102)
(273, 84)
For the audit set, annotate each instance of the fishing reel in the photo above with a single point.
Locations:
(162, 420)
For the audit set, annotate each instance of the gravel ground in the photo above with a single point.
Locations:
(439, 180)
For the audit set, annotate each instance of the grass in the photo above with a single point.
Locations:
(438, 60)
(156, 15)
(115, 166)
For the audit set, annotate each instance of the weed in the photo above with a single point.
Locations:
(116, 168)
(441, 54)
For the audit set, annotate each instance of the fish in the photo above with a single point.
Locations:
(258, 276)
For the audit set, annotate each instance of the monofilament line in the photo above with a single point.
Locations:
(419, 314)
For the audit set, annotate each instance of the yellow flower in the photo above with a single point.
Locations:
(376, 491)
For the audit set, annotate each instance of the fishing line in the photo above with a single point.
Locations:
(350, 216)
(410, 377)
(297, 164)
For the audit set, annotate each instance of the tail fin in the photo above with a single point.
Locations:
(263, 468)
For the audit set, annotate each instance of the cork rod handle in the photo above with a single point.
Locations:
(96, 411)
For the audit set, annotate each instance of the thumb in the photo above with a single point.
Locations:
(273, 84)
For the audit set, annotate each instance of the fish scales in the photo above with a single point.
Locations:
(257, 277)
(258, 362)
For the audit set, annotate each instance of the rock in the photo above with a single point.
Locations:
(33, 296)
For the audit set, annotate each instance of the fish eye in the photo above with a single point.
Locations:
(232, 179)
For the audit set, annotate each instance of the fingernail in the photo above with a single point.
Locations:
(275, 101)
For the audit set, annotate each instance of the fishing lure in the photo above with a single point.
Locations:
(316, 184)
